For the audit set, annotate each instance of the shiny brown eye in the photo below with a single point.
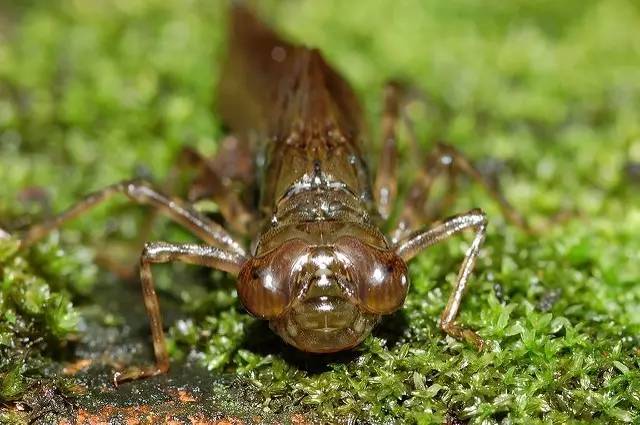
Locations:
(380, 275)
(264, 281)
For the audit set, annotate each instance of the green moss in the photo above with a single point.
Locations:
(36, 318)
(95, 92)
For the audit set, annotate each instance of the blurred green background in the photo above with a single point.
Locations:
(546, 92)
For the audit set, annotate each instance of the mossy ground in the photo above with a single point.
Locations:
(548, 92)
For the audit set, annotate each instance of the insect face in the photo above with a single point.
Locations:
(323, 298)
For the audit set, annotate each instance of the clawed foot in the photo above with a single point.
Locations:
(460, 333)
(133, 373)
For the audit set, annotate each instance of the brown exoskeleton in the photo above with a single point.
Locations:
(320, 270)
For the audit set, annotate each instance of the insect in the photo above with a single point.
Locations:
(319, 268)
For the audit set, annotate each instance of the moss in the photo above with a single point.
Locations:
(37, 319)
(95, 92)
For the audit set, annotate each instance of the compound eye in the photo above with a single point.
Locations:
(380, 275)
(264, 282)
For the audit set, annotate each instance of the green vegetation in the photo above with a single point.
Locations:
(549, 92)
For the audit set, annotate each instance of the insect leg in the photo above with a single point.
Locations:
(220, 178)
(162, 252)
(460, 163)
(141, 192)
(446, 159)
(386, 182)
(418, 241)
(224, 179)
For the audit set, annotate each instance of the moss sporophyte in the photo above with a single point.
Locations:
(316, 245)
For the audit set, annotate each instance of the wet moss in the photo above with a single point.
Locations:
(38, 324)
(95, 92)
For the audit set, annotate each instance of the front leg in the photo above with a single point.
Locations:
(416, 242)
(162, 252)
